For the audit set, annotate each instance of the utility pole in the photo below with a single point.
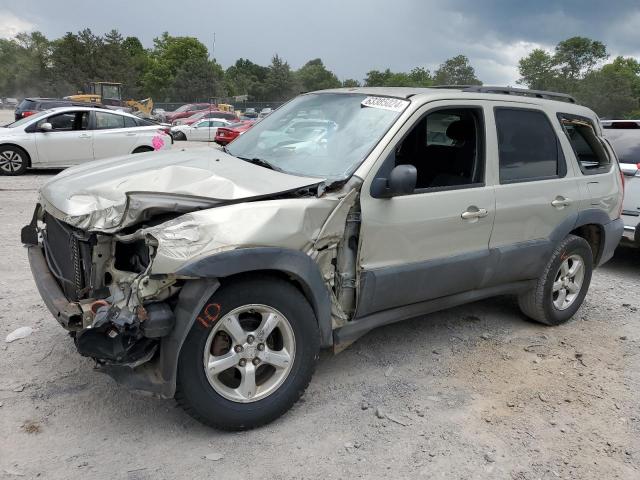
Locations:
(213, 47)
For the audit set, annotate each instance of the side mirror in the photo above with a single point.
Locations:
(46, 127)
(402, 181)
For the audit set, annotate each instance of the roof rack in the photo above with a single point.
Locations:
(524, 92)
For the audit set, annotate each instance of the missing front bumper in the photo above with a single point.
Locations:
(68, 314)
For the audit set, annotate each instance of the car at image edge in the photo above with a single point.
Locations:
(624, 135)
(215, 277)
(66, 136)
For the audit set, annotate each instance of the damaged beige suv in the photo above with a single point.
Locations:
(215, 277)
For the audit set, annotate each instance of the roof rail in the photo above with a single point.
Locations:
(524, 92)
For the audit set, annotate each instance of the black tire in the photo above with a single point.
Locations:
(13, 160)
(538, 303)
(143, 150)
(197, 396)
(179, 136)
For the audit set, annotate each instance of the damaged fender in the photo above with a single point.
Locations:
(294, 263)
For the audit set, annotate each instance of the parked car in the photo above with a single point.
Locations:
(624, 135)
(206, 114)
(265, 112)
(249, 114)
(62, 137)
(216, 276)
(229, 133)
(32, 105)
(204, 130)
(10, 103)
(186, 111)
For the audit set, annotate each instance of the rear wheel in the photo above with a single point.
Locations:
(562, 286)
(13, 160)
(249, 356)
(143, 150)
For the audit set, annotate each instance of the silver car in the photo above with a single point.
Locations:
(215, 277)
(624, 135)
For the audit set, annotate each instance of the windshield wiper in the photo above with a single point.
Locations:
(262, 163)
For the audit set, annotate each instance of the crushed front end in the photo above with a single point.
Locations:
(100, 289)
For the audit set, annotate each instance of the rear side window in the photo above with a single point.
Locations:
(27, 105)
(130, 122)
(528, 146)
(587, 145)
(105, 121)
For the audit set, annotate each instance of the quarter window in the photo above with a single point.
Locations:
(105, 121)
(130, 122)
(587, 145)
(528, 147)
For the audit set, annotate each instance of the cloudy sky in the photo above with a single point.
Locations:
(351, 36)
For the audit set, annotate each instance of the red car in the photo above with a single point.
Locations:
(186, 111)
(224, 135)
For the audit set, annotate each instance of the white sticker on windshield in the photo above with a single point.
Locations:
(386, 103)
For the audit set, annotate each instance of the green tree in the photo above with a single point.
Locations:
(315, 76)
(169, 56)
(280, 83)
(537, 70)
(246, 78)
(577, 56)
(621, 82)
(376, 78)
(25, 61)
(456, 71)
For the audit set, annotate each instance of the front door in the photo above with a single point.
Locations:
(68, 143)
(435, 241)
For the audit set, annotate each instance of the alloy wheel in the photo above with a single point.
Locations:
(249, 353)
(568, 282)
(10, 161)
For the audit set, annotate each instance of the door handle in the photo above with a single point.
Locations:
(85, 135)
(131, 134)
(474, 213)
(560, 202)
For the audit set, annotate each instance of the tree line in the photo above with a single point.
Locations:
(179, 69)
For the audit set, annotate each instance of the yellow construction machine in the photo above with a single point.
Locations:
(110, 95)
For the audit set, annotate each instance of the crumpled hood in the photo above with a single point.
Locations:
(108, 195)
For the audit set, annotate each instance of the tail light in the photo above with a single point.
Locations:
(28, 113)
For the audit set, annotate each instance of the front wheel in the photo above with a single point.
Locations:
(13, 160)
(562, 286)
(249, 355)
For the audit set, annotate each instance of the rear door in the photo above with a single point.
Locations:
(113, 135)
(536, 193)
(68, 143)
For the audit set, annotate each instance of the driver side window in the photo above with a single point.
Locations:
(447, 149)
(67, 121)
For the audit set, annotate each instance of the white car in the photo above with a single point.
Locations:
(203, 130)
(66, 136)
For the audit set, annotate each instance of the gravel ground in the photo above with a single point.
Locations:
(476, 392)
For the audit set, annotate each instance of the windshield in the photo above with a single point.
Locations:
(25, 120)
(322, 134)
(626, 143)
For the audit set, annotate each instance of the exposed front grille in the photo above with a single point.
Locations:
(68, 255)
